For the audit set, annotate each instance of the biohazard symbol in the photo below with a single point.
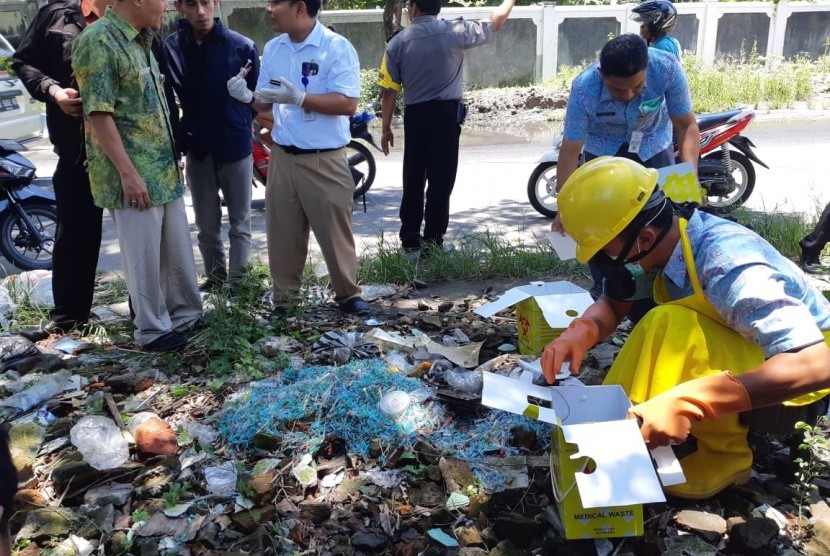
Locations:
(524, 325)
(683, 188)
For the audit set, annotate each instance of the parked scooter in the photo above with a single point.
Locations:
(28, 211)
(361, 161)
(725, 167)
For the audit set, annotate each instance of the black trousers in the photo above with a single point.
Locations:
(77, 243)
(813, 244)
(431, 133)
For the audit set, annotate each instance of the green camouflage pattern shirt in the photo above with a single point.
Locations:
(118, 74)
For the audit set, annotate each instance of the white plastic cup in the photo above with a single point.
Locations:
(394, 403)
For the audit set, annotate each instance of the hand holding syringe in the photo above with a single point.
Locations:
(245, 70)
(238, 88)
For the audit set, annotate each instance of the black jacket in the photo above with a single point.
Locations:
(44, 58)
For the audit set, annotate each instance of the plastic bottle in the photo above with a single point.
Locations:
(47, 387)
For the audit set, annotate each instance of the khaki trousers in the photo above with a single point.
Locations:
(157, 255)
(310, 191)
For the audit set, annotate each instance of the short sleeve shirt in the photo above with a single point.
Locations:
(117, 74)
(604, 123)
(427, 57)
(761, 294)
(331, 66)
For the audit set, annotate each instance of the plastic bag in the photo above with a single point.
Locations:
(100, 442)
(221, 479)
(336, 348)
(470, 382)
(14, 349)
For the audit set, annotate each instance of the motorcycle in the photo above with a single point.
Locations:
(361, 161)
(28, 211)
(725, 167)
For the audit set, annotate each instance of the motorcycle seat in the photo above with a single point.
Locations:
(713, 119)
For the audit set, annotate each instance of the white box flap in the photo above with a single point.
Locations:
(594, 419)
(507, 299)
(559, 310)
(511, 395)
(564, 245)
(623, 474)
(560, 301)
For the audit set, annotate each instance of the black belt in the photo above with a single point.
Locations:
(296, 150)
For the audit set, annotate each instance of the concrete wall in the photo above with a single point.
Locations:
(537, 40)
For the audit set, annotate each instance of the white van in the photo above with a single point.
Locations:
(20, 114)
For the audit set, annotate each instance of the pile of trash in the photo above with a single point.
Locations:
(372, 441)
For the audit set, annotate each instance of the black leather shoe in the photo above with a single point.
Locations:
(355, 306)
(52, 327)
(813, 268)
(171, 341)
(811, 264)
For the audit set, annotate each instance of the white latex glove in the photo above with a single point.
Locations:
(238, 89)
(287, 93)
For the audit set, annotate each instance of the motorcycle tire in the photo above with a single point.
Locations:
(741, 168)
(541, 189)
(15, 239)
(362, 165)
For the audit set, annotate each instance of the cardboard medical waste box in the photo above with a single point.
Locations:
(543, 311)
(601, 470)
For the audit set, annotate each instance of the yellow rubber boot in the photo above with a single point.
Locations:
(722, 458)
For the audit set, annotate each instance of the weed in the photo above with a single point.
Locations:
(233, 325)
(245, 489)
(812, 464)
(735, 81)
(140, 515)
(96, 406)
(782, 231)
(181, 390)
(175, 493)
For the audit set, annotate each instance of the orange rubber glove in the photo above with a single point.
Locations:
(580, 336)
(668, 417)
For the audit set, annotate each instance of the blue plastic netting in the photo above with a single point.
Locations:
(304, 406)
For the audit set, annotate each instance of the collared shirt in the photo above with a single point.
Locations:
(427, 57)
(212, 122)
(761, 294)
(117, 74)
(332, 67)
(42, 61)
(604, 123)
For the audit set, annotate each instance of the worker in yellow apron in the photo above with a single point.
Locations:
(738, 338)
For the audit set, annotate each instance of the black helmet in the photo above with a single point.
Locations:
(659, 15)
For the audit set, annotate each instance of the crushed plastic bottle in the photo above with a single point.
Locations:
(47, 387)
(100, 442)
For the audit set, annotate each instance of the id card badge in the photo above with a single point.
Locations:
(308, 115)
(636, 141)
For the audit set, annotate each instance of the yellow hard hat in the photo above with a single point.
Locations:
(600, 199)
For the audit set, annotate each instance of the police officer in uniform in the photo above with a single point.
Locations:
(426, 58)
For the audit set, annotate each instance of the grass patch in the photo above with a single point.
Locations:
(747, 80)
(475, 257)
(732, 82)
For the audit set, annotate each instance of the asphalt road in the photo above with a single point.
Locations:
(494, 166)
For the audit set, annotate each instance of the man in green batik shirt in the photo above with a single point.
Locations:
(133, 169)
